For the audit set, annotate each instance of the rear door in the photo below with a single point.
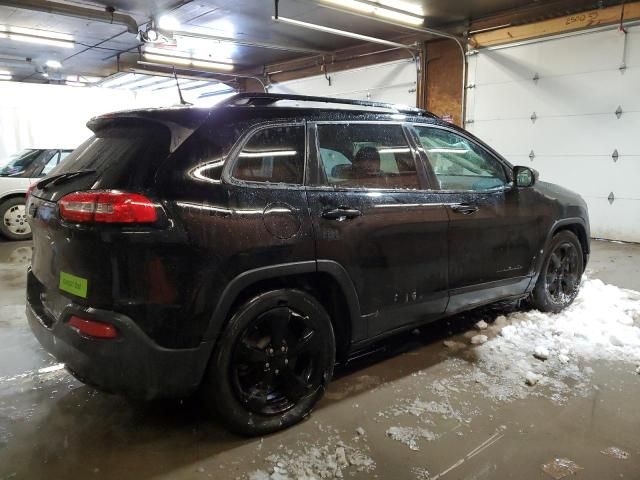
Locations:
(493, 231)
(373, 216)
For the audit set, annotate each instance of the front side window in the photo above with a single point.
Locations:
(458, 163)
(273, 155)
(366, 155)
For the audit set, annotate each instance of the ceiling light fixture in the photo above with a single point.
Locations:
(5, 76)
(53, 64)
(184, 59)
(31, 35)
(400, 11)
(168, 22)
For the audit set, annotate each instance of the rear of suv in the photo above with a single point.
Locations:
(242, 250)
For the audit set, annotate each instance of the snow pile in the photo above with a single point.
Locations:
(329, 461)
(550, 350)
(602, 324)
(410, 435)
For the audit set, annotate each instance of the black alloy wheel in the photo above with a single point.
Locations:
(559, 280)
(562, 276)
(272, 363)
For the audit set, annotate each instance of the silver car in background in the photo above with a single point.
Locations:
(16, 175)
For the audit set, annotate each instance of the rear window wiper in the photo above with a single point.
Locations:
(61, 178)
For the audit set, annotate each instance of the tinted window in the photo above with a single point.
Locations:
(122, 156)
(366, 155)
(273, 155)
(458, 163)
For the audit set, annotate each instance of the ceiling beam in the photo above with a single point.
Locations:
(589, 19)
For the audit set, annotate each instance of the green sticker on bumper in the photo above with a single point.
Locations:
(72, 284)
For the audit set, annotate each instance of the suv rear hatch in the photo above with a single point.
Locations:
(83, 259)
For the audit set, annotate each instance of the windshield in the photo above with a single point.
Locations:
(17, 164)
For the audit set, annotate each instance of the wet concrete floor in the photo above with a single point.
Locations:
(53, 427)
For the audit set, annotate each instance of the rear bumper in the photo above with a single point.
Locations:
(131, 364)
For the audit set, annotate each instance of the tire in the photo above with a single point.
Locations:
(271, 364)
(559, 280)
(13, 219)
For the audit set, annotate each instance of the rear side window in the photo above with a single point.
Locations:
(272, 155)
(366, 156)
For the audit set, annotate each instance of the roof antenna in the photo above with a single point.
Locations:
(182, 100)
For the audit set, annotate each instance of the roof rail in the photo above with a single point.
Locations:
(266, 99)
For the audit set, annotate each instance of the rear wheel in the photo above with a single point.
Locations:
(559, 279)
(272, 363)
(13, 214)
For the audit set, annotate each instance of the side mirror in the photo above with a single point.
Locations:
(525, 176)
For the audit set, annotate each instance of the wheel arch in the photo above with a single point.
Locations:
(11, 195)
(326, 280)
(577, 226)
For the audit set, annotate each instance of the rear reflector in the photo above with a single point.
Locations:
(93, 329)
(107, 206)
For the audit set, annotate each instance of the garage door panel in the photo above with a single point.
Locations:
(509, 137)
(586, 135)
(594, 176)
(615, 221)
(560, 95)
(393, 82)
(580, 53)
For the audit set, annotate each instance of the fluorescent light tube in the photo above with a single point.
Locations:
(412, 17)
(32, 35)
(180, 58)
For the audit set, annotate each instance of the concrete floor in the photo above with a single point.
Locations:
(53, 427)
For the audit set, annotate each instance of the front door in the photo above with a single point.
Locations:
(493, 233)
(372, 215)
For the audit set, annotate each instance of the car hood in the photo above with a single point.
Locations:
(561, 194)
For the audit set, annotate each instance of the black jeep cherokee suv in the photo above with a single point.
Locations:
(244, 248)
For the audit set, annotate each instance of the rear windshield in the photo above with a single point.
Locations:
(121, 156)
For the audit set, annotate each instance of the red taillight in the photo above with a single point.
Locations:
(107, 206)
(92, 328)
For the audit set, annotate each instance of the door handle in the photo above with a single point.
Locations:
(464, 208)
(341, 213)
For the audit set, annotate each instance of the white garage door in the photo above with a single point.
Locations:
(393, 82)
(552, 105)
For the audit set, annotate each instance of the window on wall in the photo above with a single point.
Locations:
(273, 155)
(366, 155)
(458, 163)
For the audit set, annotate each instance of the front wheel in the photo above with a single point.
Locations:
(272, 363)
(13, 214)
(559, 279)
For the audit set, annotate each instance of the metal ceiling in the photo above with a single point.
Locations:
(100, 45)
